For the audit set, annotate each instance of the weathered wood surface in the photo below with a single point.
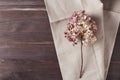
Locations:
(26, 47)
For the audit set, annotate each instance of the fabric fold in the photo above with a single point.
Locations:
(96, 58)
(112, 20)
(112, 5)
(60, 10)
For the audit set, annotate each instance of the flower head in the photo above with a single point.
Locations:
(81, 27)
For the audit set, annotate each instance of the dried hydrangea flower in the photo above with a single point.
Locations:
(81, 27)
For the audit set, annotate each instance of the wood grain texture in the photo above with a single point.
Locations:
(26, 46)
(22, 2)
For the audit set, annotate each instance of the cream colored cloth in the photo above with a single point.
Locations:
(96, 57)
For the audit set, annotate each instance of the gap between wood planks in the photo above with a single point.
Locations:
(23, 9)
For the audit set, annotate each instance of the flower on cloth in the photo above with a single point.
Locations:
(81, 27)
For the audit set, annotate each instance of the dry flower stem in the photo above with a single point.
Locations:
(81, 70)
(81, 28)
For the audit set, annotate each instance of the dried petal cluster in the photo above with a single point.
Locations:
(81, 27)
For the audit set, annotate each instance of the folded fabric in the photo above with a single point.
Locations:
(112, 5)
(96, 57)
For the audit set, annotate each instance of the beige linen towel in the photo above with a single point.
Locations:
(96, 57)
(111, 23)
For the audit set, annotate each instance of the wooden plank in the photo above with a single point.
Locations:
(13, 15)
(22, 5)
(114, 71)
(29, 69)
(23, 51)
(14, 37)
(22, 2)
(25, 25)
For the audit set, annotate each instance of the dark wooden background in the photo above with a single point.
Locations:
(26, 46)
